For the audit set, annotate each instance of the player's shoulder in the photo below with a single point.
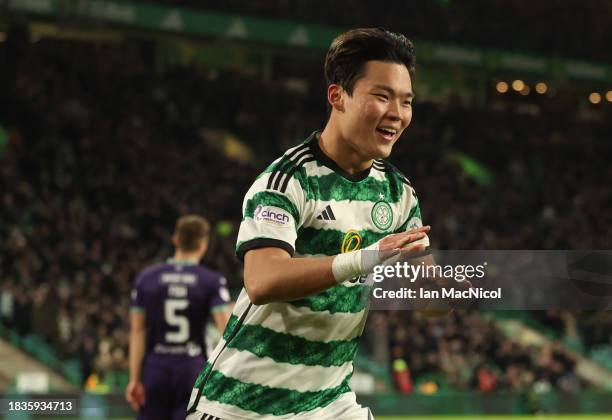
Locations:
(395, 174)
(397, 179)
(149, 274)
(207, 274)
(288, 167)
(151, 270)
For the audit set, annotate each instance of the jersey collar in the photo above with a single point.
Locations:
(331, 164)
(180, 262)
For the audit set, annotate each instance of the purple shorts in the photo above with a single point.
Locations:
(167, 390)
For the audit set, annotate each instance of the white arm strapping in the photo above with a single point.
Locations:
(356, 263)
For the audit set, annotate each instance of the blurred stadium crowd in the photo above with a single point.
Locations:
(466, 351)
(556, 28)
(103, 154)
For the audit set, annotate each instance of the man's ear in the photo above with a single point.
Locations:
(335, 97)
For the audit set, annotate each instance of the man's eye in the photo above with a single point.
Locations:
(382, 96)
(408, 103)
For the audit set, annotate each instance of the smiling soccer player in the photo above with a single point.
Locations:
(288, 349)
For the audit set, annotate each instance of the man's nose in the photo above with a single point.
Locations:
(394, 111)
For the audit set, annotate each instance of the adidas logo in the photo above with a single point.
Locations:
(326, 214)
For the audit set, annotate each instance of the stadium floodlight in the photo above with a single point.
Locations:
(518, 85)
(502, 87)
(594, 98)
(541, 88)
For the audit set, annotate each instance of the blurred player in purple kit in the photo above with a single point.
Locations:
(171, 304)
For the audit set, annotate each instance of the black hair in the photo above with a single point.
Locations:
(349, 51)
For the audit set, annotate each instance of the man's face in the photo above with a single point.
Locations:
(379, 110)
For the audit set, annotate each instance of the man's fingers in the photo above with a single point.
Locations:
(135, 396)
(407, 239)
(130, 399)
(425, 229)
(397, 240)
(141, 397)
(422, 229)
(416, 248)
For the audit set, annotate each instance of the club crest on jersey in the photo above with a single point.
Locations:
(382, 215)
(272, 215)
(351, 241)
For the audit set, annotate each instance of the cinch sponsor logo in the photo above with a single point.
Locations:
(271, 214)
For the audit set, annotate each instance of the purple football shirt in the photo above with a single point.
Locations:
(177, 298)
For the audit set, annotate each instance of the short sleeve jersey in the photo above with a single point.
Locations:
(287, 360)
(177, 298)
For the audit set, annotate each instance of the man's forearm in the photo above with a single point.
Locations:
(137, 349)
(276, 279)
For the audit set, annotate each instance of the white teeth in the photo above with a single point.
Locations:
(388, 130)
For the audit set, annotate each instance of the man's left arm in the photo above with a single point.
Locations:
(134, 393)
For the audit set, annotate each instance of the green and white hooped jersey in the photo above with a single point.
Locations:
(288, 360)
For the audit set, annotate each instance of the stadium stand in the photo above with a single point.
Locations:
(103, 154)
(546, 27)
